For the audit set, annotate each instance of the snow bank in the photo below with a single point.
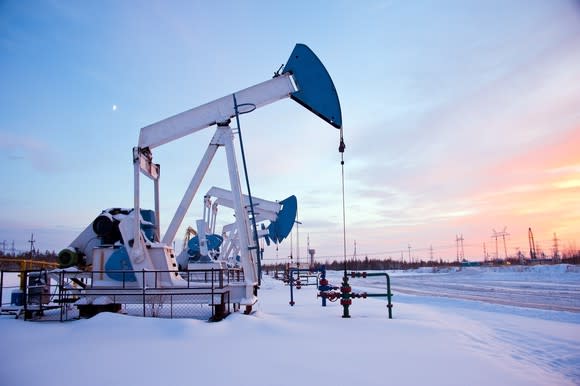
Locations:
(430, 343)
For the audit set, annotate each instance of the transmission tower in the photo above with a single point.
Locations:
(556, 255)
(459, 243)
(495, 236)
(485, 256)
(31, 242)
(501, 234)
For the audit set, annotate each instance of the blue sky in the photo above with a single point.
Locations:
(459, 117)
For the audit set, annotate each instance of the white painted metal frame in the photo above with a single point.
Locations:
(217, 111)
(263, 210)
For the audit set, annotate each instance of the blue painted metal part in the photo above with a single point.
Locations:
(266, 237)
(149, 229)
(117, 262)
(213, 243)
(278, 230)
(316, 89)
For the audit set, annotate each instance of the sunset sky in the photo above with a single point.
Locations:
(460, 118)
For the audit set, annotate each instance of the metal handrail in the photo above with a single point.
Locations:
(61, 288)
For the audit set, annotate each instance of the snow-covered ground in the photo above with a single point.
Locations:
(449, 339)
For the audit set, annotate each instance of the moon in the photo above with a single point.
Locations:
(114, 107)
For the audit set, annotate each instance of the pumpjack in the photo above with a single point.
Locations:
(122, 242)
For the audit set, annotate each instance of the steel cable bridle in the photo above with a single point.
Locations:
(341, 148)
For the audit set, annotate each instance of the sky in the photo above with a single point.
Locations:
(461, 119)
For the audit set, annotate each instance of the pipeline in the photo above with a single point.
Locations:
(346, 295)
(389, 294)
(298, 283)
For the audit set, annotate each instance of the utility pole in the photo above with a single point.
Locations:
(484, 253)
(297, 244)
(431, 252)
(355, 262)
(291, 248)
(409, 252)
(532, 244)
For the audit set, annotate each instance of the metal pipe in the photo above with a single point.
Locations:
(389, 294)
(291, 280)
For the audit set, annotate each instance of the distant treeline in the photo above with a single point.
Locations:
(10, 261)
(377, 264)
(365, 264)
(36, 254)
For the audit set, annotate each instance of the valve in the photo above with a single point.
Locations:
(346, 302)
(331, 296)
